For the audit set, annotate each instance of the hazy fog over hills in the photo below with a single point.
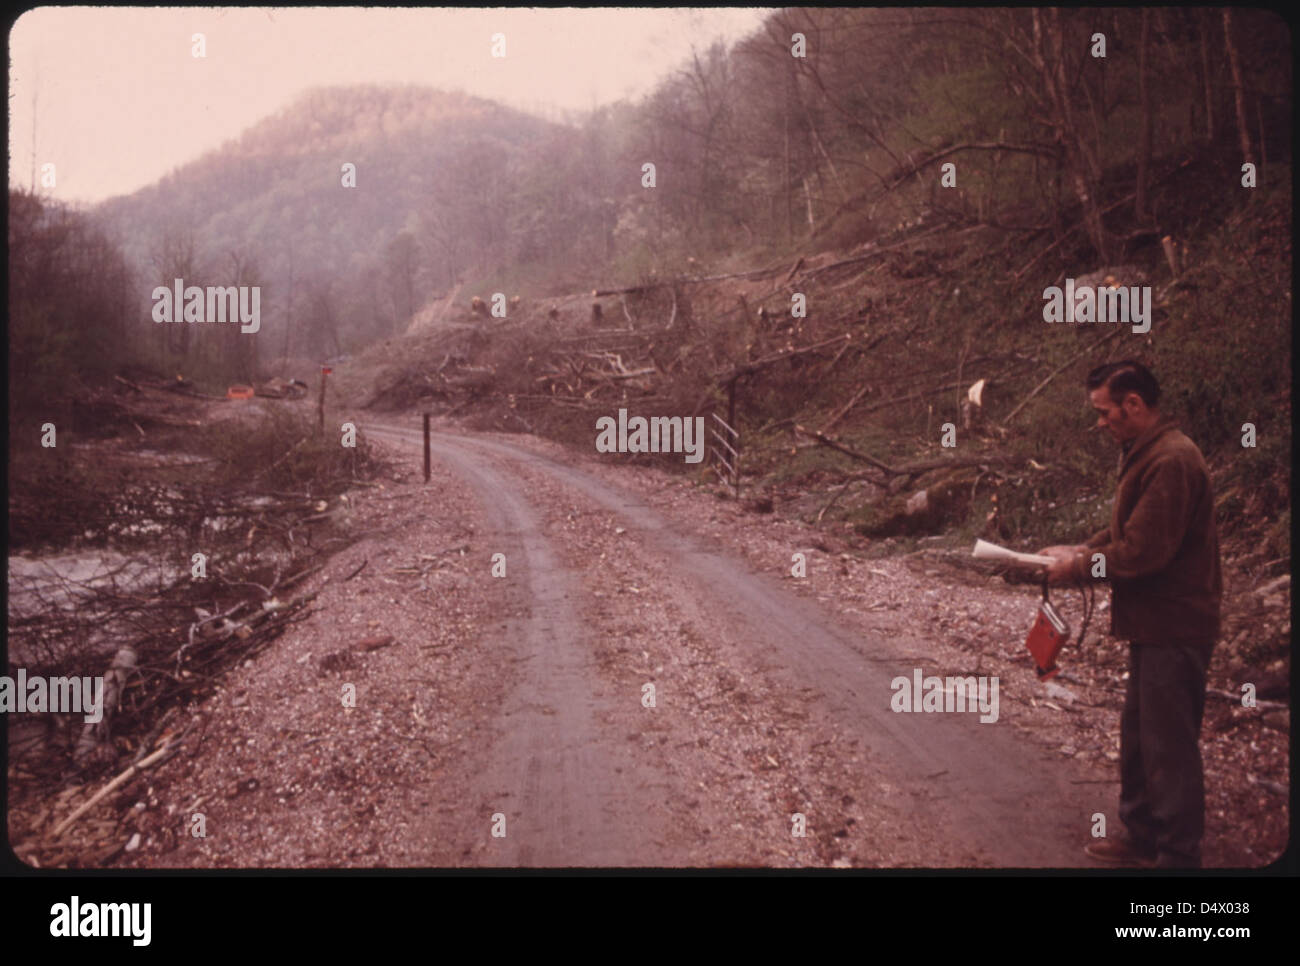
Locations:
(117, 97)
(276, 194)
(367, 194)
(822, 286)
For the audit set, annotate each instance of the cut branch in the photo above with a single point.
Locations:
(754, 366)
(118, 782)
(1059, 369)
(910, 469)
(844, 409)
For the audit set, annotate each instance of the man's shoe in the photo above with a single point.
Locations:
(1121, 852)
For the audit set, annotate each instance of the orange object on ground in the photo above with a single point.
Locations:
(239, 392)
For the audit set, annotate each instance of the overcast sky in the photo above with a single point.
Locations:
(121, 100)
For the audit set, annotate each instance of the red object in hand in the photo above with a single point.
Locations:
(1046, 638)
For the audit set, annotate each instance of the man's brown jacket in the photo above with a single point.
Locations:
(1161, 548)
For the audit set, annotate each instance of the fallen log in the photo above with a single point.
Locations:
(845, 408)
(164, 752)
(754, 274)
(909, 469)
(886, 403)
(852, 454)
(634, 374)
(874, 253)
(1260, 703)
(751, 367)
(172, 389)
(597, 293)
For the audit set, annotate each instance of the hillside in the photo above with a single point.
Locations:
(895, 335)
(338, 265)
(866, 252)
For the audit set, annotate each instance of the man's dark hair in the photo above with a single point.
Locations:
(1122, 378)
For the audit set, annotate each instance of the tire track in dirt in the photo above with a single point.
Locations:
(568, 800)
(982, 791)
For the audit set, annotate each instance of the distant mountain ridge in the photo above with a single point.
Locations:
(274, 196)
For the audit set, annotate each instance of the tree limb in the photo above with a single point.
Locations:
(1059, 369)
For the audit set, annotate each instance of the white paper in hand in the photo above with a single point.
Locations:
(991, 551)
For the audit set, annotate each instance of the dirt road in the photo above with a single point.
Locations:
(764, 706)
(555, 764)
(541, 658)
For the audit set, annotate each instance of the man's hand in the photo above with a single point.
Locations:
(1062, 570)
(1055, 550)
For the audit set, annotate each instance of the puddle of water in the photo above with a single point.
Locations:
(68, 581)
(176, 459)
(57, 576)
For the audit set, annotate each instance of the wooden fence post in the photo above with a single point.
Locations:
(426, 447)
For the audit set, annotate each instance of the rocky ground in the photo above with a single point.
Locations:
(427, 704)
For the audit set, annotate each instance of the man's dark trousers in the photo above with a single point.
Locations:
(1162, 789)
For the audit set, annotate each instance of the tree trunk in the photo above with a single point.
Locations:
(1091, 214)
(789, 191)
(1239, 89)
(288, 322)
(1083, 166)
(1205, 74)
(1259, 117)
(1144, 130)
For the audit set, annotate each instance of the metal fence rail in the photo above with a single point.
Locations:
(727, 444)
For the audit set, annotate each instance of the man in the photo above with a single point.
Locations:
(1161, 555)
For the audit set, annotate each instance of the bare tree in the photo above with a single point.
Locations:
(1144, 102)
(1205, 24)
(1238, 87)
(288, 319)
(177, 256)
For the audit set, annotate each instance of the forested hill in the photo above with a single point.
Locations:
(275, 199)
(1080, 137)
(842, 227)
